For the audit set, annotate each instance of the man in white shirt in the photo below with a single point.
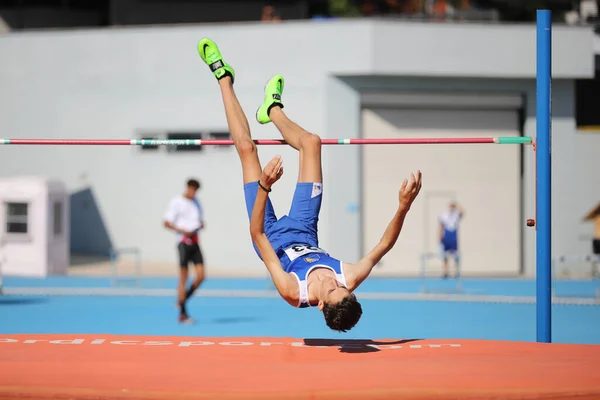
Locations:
(185, 216)
(449, 221)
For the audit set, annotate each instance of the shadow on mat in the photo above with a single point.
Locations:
(21, 301)
(355, 345)
(234, 320)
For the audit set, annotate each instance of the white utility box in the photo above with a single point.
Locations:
(34, 227)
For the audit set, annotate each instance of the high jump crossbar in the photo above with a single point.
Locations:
(221, 142)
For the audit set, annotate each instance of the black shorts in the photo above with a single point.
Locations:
(189, 254)
(596, 246)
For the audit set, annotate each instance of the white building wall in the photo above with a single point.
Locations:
(484, 179)
(576, 184)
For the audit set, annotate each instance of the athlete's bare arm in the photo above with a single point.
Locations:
(357, 273)
(286, 284)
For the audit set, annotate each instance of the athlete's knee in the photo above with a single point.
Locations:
(310, 142)
(246, 148)
(197, 282)
(182, 280)
(199, 274)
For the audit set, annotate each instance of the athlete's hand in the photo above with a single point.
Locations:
(272, 172)
(409, 190)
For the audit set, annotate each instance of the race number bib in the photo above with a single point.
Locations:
(300, 250)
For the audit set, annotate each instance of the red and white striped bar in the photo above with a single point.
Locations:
(217, 142)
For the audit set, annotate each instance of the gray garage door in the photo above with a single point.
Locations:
(484, 179)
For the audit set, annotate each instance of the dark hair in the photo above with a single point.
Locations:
(344, 315)
(193, 183)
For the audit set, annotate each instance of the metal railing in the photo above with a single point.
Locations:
(115, 255)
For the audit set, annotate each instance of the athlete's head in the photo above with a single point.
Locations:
(191, 188)
(340, 307)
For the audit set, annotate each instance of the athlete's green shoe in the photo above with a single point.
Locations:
(273, 92)
(210, 54)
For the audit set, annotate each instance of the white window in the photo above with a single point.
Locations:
(17, 214)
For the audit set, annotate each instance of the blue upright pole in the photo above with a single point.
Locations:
(543, 177)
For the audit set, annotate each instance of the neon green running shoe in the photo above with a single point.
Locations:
(210, 54)
(273, 92)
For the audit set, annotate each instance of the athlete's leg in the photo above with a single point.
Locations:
(308, 144)
(236, 119)
(306, 203)
(238, 127)
(445, 268)
(183, 277)
(240, 132)
(199, 272)
(198, 260)
(457, 263)
(184, 259)
(246, 148)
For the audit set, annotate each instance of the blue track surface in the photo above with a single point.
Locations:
(156, 315)
(504, 287)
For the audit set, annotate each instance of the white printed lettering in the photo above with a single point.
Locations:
(187, 344)
(300, 344)
(236, 343)
(157, 343)
(74, 341)
(301, 250)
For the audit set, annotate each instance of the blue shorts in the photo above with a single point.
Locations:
(449, 247)
(450, 242)
(300, 225)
